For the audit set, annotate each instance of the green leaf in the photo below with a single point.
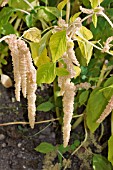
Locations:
(94, 19)
(95, 3)
(61, 72)
(73, 18)
(86, 33)
(110, 149)
(7, 29)
(45, 147)
(83, 97)
(43, 14)
(108, 86)
(33, 34)
(54, 11)
(78, 71)
(19, 4)
(29, 20)
(3, 61)
(108, 82)
(39, 60)
(43, 42)
(45, 107)
(62, 4)
(101, 163)
(95, 106)
(58, 45)
(5, 15)
(86, 50)
(46, 73)
(102, 26)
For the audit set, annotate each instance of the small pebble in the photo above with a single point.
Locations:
(13, 99)
(3, 145)
(19, 145)
(2, 136)
(24, 166)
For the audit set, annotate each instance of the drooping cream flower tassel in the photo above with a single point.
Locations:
(68, 93)
(12, 42)
(24, 74)
(68, 102)
(28, 75)
(107, 111)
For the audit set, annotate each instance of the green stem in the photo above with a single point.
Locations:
(55, 89)
(108, 20)
(17, 23)
(112, 123)
(101, 75)
(29, 4)
(68, 11)
(77, 122)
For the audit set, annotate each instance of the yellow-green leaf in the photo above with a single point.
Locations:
(95, 3)
(58, 45)
(62, 4)
(86, 50)
(61, 72)
(110, 150)
(45, 147)
(34, 51)
(43, 42)
(46, 73)
(73, 18)
(33, 34)
(86, 33)
(43, 58)
(94, 19)
(95, 108)
(78, 71)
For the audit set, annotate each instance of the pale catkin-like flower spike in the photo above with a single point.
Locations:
(71, 52)
(31, 81)
(4, 3)
(12, 42)
(84, 85)
(107, 111)
(68, 107)
(24, 73)
(31, 96)
(23, 65)
(107, 44)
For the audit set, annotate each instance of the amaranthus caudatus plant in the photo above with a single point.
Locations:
(59, 53)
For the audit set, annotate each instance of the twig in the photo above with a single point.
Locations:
(29, 4)
(112, 123)
(26, 123)
(68, 11)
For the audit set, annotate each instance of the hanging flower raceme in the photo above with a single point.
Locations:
(24, 73)
(107, 111)
(68, 89)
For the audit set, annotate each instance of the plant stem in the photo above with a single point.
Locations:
(101, 75)
(77, 122)
(86, 17)
(92, 43)
(17, 23)
(29, 4)
(112, 123)
(68, 11)
(21, 10)
(55, 89)
(85, 139)
(106, 17)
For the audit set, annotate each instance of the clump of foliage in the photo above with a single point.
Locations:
(71, 46)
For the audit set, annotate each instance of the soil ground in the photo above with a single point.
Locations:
(17, 142)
